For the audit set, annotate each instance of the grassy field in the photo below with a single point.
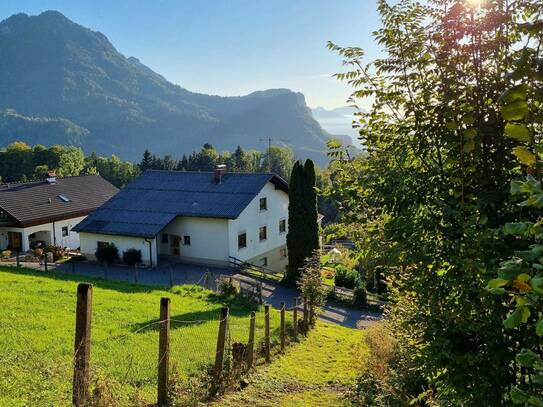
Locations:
(314, 373)
(37, 335)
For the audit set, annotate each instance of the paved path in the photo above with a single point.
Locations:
(180, 273)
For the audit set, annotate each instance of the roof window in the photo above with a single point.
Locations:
(63, 198)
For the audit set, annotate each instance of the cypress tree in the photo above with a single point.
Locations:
(303, 232)
(295, 224)
(310, 208)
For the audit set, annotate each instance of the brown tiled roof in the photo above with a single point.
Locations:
(34, 203)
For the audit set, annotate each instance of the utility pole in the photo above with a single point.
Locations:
(269, 140)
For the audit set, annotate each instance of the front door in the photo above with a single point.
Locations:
(175, 242)
(15, 241)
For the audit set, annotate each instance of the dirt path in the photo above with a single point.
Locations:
(315, 372)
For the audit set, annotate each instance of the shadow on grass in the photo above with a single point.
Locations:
(237, 307)
(124, 287)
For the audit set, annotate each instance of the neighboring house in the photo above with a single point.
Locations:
(44, 212)
(202, 217)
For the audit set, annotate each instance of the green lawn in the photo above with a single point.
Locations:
(37, 334)
(315, 372)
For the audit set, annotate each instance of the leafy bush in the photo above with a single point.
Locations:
(107, 253)
(375, 385)
(360, 297)
(346, 277)
(5, 254)
(132, 257)
(227, 288)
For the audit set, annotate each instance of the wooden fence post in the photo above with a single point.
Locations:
(267, 332)
(163, 352)
(251, 343)
(83, 315)
(261, 294)
(306, 325)
(283, 333)
(221, 342)
(295, 319)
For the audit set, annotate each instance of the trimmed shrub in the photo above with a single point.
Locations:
(107, 253)
(132, 257)
(360, 297)
(346, 277)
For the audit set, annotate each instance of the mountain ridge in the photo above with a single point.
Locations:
(53, 68)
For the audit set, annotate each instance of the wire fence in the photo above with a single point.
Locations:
(124, 358)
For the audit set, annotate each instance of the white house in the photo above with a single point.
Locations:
(44, 212)
(202, 217)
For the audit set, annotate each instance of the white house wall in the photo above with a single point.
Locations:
(208, 239)
(250, 221)
(89, 244)
(53, 230)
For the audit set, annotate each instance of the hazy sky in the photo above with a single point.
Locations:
(229, 47)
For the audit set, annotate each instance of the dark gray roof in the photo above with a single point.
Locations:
(155, 198)
(34, 203)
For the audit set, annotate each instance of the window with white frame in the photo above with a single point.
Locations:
(283, 252)
(65, 231)
(263, 233)
(282, 226)
(263, 204)
(242, 240)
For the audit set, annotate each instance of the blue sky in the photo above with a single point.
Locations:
(229, 47)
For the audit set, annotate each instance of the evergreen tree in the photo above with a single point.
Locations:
(295, 225)
(303, 233)
(183, 165)
(309, 202)
(147, 161)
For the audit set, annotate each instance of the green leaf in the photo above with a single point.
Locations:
(527, 358)
(469, 146)
(517, 131)
(518, 396)
(513, 94)
(539, 327)
(470, 133)
(537, 284)
(497, 282)
(525, 156)
(516, 110)
(535, 401)
(514, 319)
(452, 125)
(515, 187)
(515, 228)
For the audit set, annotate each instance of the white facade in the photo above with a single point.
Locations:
(58, 233)
(213, 241)
(89, 244)
(272, 250)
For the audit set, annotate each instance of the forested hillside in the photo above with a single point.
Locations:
(63, 83)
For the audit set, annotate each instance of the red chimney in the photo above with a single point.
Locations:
(220, 170)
